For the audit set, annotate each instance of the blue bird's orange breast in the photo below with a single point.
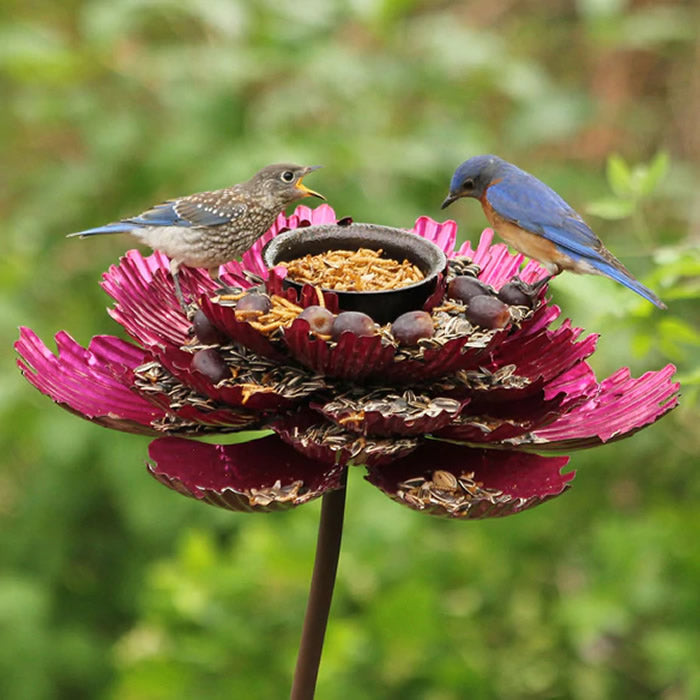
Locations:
(532, 245)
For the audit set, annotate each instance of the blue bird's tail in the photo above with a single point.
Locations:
(120, 227)
(621, 275)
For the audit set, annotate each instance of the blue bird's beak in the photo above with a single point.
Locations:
(304, 189)
(448, 200)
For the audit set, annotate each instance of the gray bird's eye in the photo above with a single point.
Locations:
(287, 176)
(468, 184)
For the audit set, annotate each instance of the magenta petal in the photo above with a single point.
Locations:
(389, 412)
(352, 357)
(250, 397)
(86, 381)
(498, 483)
(145, 295)
(443, 234)
(497, 264)
(452, 356)
(261, 475)
(329, 443)
(544, 356)
(622, 407)
(224, 318)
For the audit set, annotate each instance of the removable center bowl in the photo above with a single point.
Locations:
(382, 305)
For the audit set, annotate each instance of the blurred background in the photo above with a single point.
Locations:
(114, 587)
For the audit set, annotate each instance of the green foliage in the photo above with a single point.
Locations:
(113, 587)
(629, 185)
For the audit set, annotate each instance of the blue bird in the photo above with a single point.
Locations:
(537, 222)
(209, 229)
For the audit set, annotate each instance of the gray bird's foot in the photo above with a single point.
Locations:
(178, 293)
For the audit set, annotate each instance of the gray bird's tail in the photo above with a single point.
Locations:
(120, 227)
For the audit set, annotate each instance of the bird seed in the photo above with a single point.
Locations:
(362, 270)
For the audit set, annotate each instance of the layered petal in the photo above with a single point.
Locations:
(622, 406)
(458, 482)
(260, 475)
(89, 381)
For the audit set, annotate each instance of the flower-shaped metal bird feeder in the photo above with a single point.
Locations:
(450, 388)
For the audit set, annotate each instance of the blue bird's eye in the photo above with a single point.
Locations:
(468, 184)
(287, 176)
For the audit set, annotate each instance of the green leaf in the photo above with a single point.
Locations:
(654, 173)
(619, 175)
(611, 208)
(679, 330)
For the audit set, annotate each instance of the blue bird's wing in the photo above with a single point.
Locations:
(537, 208)
(533, 206)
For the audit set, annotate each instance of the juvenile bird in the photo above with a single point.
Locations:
(209, 229)
(536, 221)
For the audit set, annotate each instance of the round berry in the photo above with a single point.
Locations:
(410, 327)
(320, 319)
(207, 333)
(516, 294)
(254, 301)
(210, 363)
(487, 312)
(464, 287)
(353, 321)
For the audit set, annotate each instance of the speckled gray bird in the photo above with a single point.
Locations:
(209, 229)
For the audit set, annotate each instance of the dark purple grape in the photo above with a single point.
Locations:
(464, 287)
(516, 294)
(354, 321)
(345, 221)
(254, 302)
(410, 327)
(320, 319)
(210, 363)
(207, 333)
(487, 312)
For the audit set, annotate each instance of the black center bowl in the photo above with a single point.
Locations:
(382, 306)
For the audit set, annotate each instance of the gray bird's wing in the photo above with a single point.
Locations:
(186, 213)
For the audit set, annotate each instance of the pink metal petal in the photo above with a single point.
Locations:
(146, 303)
(258, 476)
(541, 357)
(452, 356)
(498, 266)
(224, 318)
(622, 406)
(262, 398)
(443, 234)
(498, 483)
(486, 422)
(87, 381)
(352, 357)
(326, 442)
(388, 423)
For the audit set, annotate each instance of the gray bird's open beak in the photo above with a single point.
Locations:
(303, 188)
(448, 200)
